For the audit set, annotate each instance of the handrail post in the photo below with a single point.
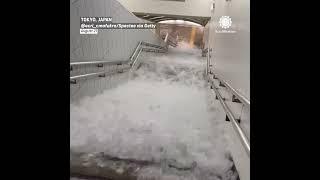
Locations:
(208, 59)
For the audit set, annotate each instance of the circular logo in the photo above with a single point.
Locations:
(225, 22)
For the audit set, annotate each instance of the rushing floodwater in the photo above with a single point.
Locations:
(163, 112)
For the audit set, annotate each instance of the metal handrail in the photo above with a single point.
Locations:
(120, 62)
(131, 62)
(135, 51)
(243, 138)
(172, 43)
(153, 45)
(105, 73)
(139, 49)
(233, 91)
(98, 62)
(168, 40)
(153, 50)
(135, 60)
(86, 75)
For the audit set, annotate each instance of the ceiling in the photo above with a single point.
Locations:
(155, 18)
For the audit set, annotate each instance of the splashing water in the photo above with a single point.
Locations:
(163, 112)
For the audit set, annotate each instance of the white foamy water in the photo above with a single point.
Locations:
(163, 112)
